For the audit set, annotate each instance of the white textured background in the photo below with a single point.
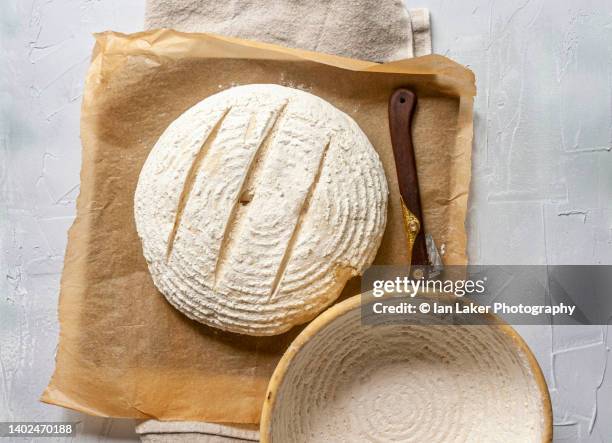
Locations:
(541, 192)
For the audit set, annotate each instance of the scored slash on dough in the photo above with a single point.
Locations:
(191, 175)
(254, 166)
(280, 273)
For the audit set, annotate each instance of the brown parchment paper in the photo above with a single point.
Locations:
(123, 350)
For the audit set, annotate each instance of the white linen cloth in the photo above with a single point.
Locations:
(374, 30)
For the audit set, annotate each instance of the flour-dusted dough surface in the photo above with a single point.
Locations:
(257, 205)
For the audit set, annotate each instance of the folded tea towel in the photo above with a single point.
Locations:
(152, 431)
(375, 30)
(421, 31)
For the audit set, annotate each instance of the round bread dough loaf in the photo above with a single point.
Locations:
(257, 205)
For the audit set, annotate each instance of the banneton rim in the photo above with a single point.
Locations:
(438, 383)
(257, 205)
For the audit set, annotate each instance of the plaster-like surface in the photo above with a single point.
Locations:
(542, 168)
(45, 49)
(542, 187)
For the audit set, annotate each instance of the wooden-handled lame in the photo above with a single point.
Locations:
(423, 252)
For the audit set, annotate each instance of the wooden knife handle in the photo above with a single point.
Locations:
(401, 109)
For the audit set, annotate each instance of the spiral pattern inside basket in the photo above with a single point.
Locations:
(408, 383)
